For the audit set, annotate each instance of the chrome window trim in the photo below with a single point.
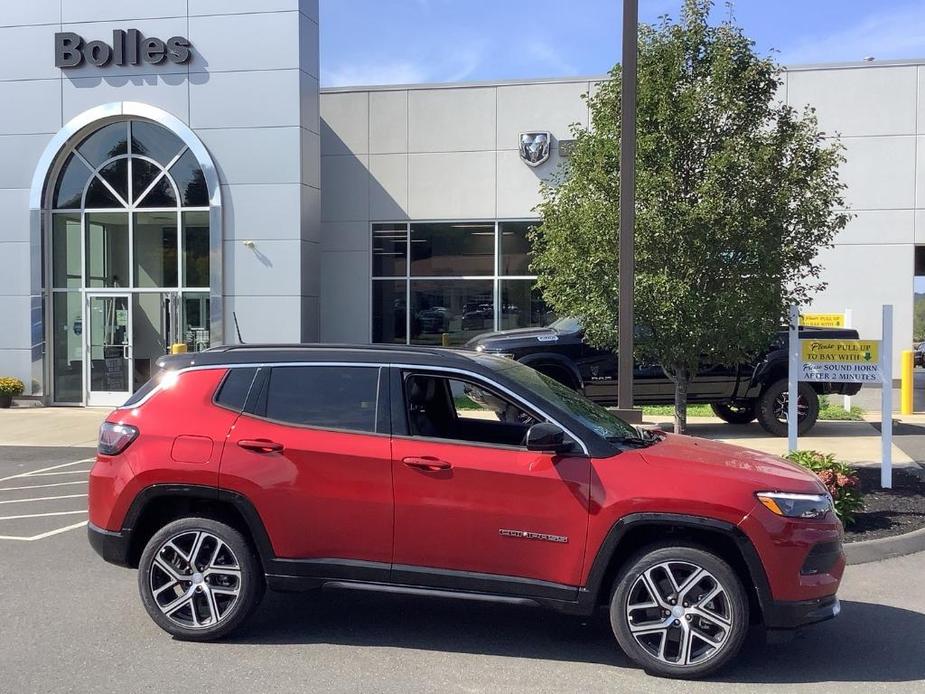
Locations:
(398, 365)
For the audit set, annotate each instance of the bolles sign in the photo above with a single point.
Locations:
(128, 48)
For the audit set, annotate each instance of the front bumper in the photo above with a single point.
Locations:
(792, 615)
(111, 545)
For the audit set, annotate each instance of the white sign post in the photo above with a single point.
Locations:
(844, 361)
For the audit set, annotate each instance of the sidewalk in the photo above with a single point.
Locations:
(51, 426)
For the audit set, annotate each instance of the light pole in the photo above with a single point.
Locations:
(627, 204)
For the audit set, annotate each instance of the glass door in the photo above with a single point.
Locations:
(109, 349)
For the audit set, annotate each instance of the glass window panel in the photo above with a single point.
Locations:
(522, 305)
(155, 255)
(149, 333)
(65, 251)
(195, 321)
(116, 175)
(106, 143)
(98, 195)
(331, 397)
(161, 195)
(389, 311)
(453, 250)
(143, 174)
(390, 250)
(196, 249)
(234, 389)
(155, 142)
(69, 188)
(190, 181)
(108, 324)
(67, 336)
(515, 248)
(450, 312)
(107, 249)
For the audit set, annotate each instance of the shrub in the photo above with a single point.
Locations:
(839, 479)
(11, 386)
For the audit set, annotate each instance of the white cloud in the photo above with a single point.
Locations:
(893, 33)
(545, 54)
(455, 68)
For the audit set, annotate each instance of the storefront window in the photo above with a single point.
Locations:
(443, 283)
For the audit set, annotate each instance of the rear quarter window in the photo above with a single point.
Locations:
(328, 397)
(232, 393)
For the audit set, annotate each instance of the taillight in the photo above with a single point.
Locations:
(115, 438)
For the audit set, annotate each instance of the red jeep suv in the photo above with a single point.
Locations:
(416, 469)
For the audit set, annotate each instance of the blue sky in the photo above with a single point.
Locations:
(410, 41)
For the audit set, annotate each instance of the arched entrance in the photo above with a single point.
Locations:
(130, 212)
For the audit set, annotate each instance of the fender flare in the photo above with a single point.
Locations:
(532, 360)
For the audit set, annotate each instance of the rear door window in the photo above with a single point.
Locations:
(328, 397)
(232, 394)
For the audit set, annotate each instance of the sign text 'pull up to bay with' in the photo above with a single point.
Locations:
(851, 361)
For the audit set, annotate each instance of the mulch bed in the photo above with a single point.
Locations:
(888, 512)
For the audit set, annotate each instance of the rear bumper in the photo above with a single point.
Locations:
(792, 615)
(111, 545)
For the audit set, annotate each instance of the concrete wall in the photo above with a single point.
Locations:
(250, 93)
(450, 152)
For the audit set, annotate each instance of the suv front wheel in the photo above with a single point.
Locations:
(199, 579)
(679, 611)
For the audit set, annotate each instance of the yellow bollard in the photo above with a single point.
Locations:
(445, 340)
(908, 381)
(178, 348)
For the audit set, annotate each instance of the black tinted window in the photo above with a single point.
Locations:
(233, 391)
(332, 397)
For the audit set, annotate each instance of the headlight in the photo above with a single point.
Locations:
(480, 348)
(796, 505)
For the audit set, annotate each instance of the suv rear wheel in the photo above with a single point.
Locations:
(735, 412)
(772, 408)
(679, 611)
(199, 579)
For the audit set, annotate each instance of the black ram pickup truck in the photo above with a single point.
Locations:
(738, 394)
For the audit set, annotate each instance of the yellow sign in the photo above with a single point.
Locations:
(823, 320)
(840, 361)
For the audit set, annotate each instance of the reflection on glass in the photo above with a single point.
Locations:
(522, 305)
(69, 188)
(67, 337)
(452, 250)
(107, 249)
(155, 251)
(154, 141)
(98, 195)
(65, 251)
(108, 317)
(190, 181)
(149, 334)
(390, 250)
(389, 311)
(450, 312)
(515, 248)
(196, 249)
(116, 175)
(194, 323)
(107, 142)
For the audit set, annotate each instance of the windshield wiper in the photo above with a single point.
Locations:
(637, 441)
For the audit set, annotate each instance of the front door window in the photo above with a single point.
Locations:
(109, 349)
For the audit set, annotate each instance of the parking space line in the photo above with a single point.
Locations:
(44, 498)
(55, 474)
(42, 515)
(42, 536)
(36, 473)
(41, 486)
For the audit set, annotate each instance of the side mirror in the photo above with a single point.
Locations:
(547, 437)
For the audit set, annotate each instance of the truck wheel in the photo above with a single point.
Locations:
(735, 412)
(679, 611)
(557, 373)
(772, 408)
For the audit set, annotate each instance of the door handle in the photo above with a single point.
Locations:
(427, 463)
(260, 445)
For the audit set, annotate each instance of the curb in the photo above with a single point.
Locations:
(868, 551)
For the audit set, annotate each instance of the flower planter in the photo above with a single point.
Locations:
(5, 400)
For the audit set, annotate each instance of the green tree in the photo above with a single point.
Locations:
(735, 195)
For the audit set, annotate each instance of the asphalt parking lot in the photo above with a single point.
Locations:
(71, 623)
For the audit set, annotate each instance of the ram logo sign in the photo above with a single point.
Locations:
(534, 147)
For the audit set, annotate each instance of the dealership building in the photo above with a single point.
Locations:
(171, 172)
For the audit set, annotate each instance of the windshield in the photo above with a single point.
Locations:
(597, 418)
(565, 325)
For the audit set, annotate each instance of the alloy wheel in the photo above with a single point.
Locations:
(195, 579)
(679, 613)
(781, 403)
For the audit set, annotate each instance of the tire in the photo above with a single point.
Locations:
(558, 373)
(677, 645)
(772, 408)
(741, 412)
(213, 598)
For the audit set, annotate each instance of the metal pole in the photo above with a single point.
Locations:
(793, 377)
(627, 203)
(886, 401)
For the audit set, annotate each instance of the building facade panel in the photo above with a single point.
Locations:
(34, 107)
(25, 52)
(273, 99)
(346, 123)
(169, 92)
(452, 185)
(452, 120)
(554, 107)
(31, 13)
(345, 194)
(879, 172)
(345, 291)
(388, 186)
(388, 122)
(219, 41)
